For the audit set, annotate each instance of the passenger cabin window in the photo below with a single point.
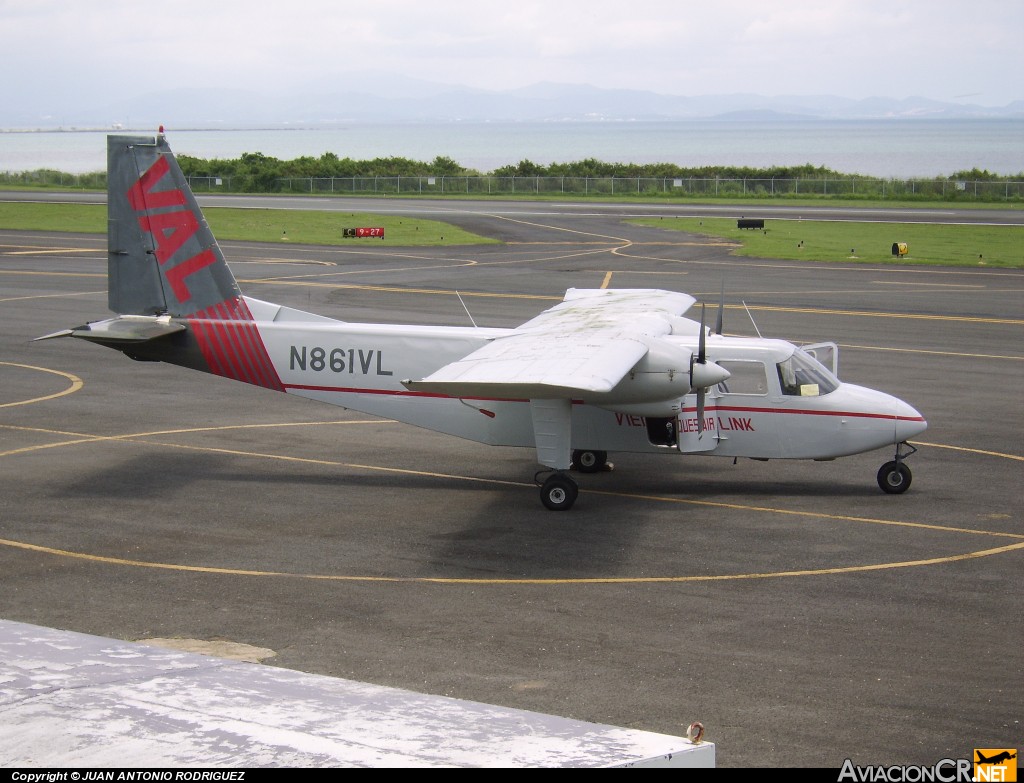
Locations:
(744, 378)
(801, 375)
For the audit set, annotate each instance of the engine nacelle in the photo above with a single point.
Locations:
(657, 384)
(663, 374)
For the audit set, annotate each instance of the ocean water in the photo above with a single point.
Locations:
(879, 148)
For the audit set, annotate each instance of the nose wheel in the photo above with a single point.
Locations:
(894, 476)
(558, 491)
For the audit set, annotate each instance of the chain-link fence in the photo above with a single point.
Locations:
(689, 187)
(853, 187)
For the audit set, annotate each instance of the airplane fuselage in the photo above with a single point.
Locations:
(361, 366)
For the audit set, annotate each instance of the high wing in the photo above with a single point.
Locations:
(587, 344)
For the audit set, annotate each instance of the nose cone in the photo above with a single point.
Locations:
(707, 374)
(909, 423)
(872, 419)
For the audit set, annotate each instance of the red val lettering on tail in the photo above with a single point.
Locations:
(141, 195)
(170, 230)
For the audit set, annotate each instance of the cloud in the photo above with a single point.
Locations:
(851, 48)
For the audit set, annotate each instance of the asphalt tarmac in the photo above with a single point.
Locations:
(799, 613)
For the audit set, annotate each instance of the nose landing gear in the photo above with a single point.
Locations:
(894, 476)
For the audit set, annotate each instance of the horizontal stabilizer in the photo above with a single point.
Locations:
(126, 329)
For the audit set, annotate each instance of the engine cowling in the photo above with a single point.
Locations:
(659, 381)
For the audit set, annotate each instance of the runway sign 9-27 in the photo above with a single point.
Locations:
(360, 233)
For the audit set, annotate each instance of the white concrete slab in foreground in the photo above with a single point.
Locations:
(69, 699)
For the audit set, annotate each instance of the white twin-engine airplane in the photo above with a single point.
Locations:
(604, 370)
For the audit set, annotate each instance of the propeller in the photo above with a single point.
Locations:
(721, 310)
(702, 373)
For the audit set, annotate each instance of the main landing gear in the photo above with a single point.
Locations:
(894, 476)
(558, 491)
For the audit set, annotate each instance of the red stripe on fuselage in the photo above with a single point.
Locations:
(201, 330)
(398, 393)
(232, 346)
(228, 333)
(805, 412)
(249, 343)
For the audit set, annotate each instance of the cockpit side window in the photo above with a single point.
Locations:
(801, 375)
(744, 378)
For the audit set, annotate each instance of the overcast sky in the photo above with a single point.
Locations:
(965, 51)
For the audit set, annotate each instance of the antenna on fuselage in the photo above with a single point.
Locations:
(752, 319)
(467, 310)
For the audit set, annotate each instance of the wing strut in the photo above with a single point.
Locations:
(552, 431)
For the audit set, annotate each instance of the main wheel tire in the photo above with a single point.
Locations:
(894, 477)
(586, 461)
(559, 492)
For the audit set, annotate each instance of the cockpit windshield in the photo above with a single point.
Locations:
(801, 375)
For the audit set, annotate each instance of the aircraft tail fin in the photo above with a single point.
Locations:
(167, 280)
(163, 258)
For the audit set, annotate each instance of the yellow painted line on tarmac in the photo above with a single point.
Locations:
(731, 577)
(933, 353)
(523, 581)
(1018, 545)
(52, 296)
(77, 438)
(810, 514)
(867, 314)
(576, 243)
(55, 251)
(971, 451)
(42, 273)
(608, 237)
(76, 384)
(916, 283)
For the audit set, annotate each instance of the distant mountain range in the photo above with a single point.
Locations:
(386, 98)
